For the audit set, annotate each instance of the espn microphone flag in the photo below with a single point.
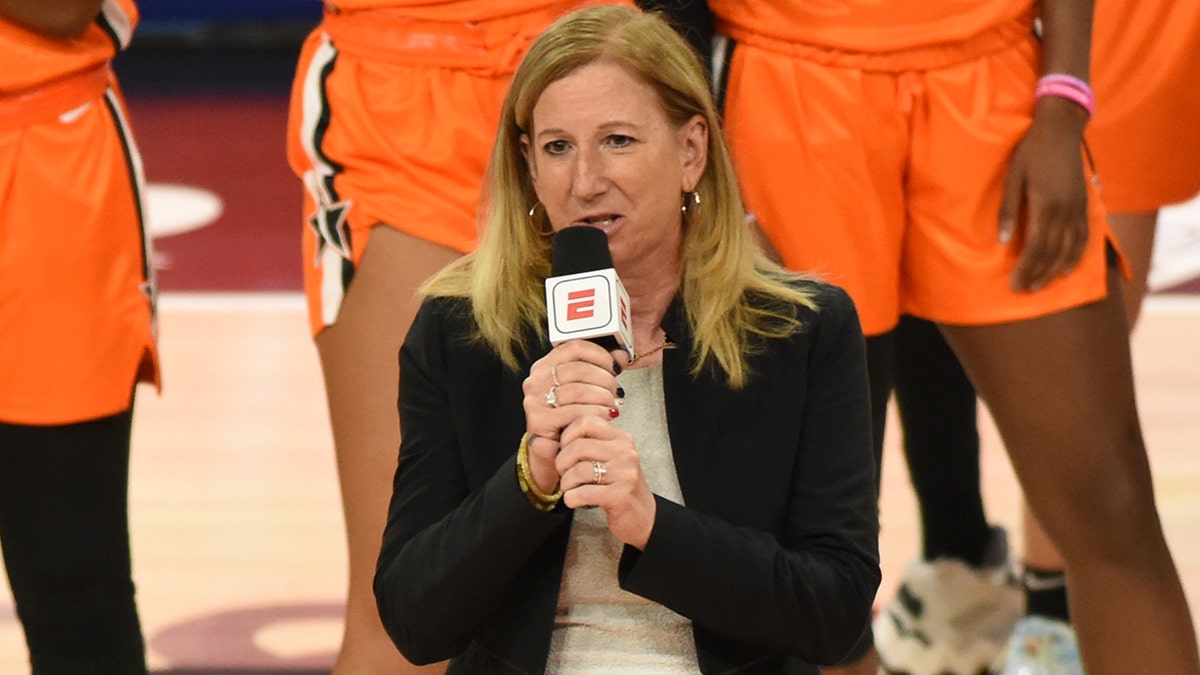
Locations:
(584, 297)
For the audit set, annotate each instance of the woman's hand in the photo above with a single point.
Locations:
(1046, 180)
(576, 379)
(599, 466)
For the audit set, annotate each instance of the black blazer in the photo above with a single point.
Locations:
(774, 559)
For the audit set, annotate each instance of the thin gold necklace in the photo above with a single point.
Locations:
(666, 344)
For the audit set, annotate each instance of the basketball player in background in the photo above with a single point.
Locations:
(76, 332)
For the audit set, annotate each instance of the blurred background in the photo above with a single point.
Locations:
(207, 85)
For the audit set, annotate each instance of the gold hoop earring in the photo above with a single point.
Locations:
(534, 223)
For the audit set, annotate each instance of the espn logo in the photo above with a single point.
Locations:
(588, 305)
(580, 304)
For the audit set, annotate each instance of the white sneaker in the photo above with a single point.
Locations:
(950, 618)
(1176, 255)
(1041, 646)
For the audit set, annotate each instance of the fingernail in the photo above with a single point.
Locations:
(616, 368)
(613, 413)
(620, 391)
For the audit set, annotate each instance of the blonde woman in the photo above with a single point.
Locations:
(706, 507)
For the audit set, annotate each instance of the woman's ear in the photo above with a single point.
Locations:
(527, 153)
(693, 146)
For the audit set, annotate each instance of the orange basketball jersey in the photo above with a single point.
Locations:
(871, 26)
(1146, 75)
(31, 60)
(446, 10)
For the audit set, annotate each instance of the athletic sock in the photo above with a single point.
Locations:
(1046, 593)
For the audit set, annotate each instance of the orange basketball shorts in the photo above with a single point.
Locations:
(884, 174)
(76, 288)
(386, 129)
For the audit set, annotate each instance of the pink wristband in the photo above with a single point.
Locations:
(1068, 87)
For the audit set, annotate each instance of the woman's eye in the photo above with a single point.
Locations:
(620, 141)
(555, 147)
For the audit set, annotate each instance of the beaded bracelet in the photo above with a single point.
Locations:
(529, 487)
(1069, 87)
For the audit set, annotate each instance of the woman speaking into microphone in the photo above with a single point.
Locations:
(708, 506)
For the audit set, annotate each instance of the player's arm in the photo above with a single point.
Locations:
(1047, 175)
(1067, 37)
(55, 19)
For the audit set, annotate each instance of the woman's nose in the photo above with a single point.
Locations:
(589, 179)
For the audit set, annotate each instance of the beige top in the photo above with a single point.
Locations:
(601, 629)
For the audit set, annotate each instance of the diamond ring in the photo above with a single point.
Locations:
(599, 471)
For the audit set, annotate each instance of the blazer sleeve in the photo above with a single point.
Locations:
(451, 551)
(806, 592)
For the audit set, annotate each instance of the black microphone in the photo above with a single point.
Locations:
(584, 296)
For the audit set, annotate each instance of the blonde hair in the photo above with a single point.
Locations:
(732, 293)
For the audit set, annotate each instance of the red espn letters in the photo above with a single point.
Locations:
(581, 304)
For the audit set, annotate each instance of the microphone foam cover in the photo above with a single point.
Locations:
(579, 248)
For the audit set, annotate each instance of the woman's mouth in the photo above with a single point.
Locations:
(603, 222)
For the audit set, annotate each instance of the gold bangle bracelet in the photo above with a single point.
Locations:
(529, 488)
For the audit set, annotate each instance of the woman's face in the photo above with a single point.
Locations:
(602, 153)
